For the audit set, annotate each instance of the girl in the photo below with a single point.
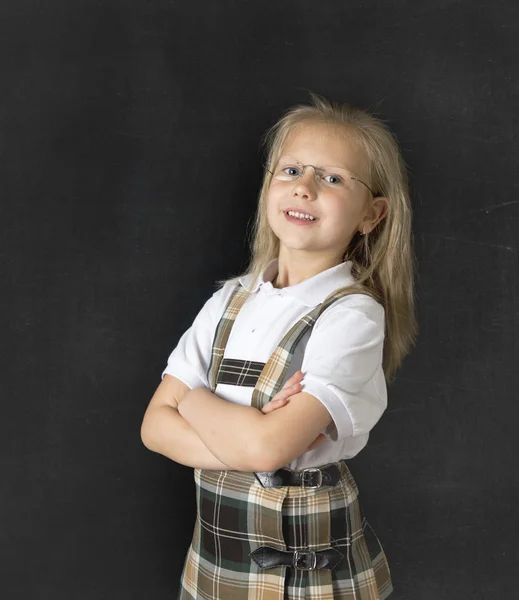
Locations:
(328, 296)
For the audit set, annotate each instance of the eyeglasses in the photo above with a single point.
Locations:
(333, 176)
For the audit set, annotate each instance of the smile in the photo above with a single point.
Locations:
(299, 218)
(300, 215)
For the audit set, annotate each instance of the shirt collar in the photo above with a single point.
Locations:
(311, 292)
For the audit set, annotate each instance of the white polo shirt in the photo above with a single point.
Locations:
(340, 357)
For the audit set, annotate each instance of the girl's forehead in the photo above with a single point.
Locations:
(323, 145)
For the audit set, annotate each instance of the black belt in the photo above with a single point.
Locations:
(306, 560)
(314, 477)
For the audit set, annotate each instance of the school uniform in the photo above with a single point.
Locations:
(298, 532)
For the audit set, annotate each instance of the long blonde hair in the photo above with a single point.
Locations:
(383, 260)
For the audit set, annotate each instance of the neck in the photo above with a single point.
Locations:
(294, 268)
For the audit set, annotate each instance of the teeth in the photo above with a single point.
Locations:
(299, 215)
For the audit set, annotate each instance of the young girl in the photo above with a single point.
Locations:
(283, 373)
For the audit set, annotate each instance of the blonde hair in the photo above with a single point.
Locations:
(383, 260)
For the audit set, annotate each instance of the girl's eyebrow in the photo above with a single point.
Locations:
(298, 162)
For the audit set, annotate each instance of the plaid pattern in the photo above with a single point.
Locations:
(236, 514)
(273, 374)
(223, 330)
(234, 371)
(274, 371)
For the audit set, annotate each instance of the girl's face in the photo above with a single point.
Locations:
(324, 189)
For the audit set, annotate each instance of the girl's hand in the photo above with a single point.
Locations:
(291, 387)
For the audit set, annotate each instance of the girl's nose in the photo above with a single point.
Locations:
(306, 184)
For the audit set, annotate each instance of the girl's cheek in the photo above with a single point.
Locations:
(275, 188)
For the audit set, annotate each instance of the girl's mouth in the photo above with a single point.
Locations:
(300, 221)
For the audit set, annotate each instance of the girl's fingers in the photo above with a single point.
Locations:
(273, 405)
(286, 392)
(296, 378)
(291, 387)
(281, 398)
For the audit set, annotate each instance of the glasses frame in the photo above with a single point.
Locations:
(318, 170)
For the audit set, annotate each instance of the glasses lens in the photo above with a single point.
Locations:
(333, 178)
(287, 172)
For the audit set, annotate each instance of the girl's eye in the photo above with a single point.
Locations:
(335, 179)
(292, 171)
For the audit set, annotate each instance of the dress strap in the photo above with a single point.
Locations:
(223, 330)
(274, 370)
(273, 374)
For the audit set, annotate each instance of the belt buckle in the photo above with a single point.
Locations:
(304, 555)
(311, 470)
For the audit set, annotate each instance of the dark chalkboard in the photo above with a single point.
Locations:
(130, 165)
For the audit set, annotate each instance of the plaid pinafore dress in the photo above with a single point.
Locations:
(236, 514)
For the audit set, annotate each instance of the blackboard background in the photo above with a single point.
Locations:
(130, 165)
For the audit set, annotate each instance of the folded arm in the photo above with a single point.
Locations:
(343, 368)
(249, 439)
(164, 431)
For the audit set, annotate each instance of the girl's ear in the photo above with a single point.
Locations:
(375, 214)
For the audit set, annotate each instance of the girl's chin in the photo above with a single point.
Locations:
(291, 245)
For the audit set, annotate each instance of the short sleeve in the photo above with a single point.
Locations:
(189, 361)
(342, 365)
